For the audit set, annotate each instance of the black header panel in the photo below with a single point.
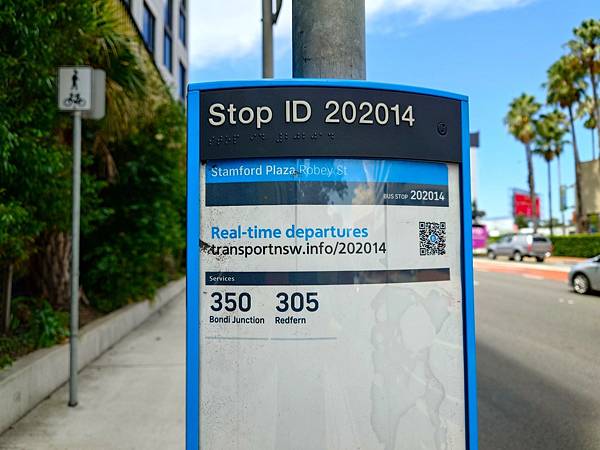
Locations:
(328, 121)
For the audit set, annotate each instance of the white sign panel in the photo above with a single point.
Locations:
(75, 88)
(331, 314)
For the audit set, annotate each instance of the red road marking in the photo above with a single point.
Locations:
(554, 275)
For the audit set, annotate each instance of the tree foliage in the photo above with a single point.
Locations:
(585, 47)
(132, 160)
(521, 117)
(137, 246)
(550, 132)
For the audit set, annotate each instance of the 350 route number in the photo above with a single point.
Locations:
(230, 301)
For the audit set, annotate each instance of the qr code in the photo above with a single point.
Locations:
(432, 238)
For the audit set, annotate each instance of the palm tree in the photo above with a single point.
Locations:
(586, 46)
(520, 121)
(549, 142)
(114, 49)
(565, 87)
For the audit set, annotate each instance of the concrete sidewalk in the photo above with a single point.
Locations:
(132, 397)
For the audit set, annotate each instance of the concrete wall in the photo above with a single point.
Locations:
(34, 377)
(590, 187)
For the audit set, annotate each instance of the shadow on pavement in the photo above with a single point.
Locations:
(520, 409)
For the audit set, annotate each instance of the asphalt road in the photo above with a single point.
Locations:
(538, 364)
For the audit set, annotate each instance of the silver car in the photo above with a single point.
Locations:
(517, 246)
(585, 276)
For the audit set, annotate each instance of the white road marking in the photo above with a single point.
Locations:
(533, 277)
(561, 300)
(570, 302)
(476, 283)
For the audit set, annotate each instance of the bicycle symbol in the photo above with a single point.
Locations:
(74, 99)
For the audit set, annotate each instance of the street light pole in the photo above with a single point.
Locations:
(328, 39)
(268, 20)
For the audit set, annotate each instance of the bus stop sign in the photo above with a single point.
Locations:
(329, 267)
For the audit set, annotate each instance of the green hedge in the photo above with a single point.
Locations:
(581, 245)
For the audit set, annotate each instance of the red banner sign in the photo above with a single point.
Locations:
(522, 205)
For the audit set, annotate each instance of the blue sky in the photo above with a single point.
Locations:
(490, 50)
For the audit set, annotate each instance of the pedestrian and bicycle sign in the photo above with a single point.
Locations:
(74, 88)
(329, 289)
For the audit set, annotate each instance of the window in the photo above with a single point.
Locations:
(168, 14)
(148, 28)
(168, 51)
(182, 29)
(167, 39)
(182, 81)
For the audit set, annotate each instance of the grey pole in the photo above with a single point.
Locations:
(74, 325)
(267, 43)
(6, 292)
(328, 39)
(550, 197)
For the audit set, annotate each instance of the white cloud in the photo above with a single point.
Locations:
(230, 29)
(429, 9)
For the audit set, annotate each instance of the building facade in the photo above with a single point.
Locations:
(163, 26)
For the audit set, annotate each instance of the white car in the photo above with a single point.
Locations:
(517, 246)
(585, 276)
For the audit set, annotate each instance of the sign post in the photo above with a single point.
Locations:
(329, 270)
(75, 88)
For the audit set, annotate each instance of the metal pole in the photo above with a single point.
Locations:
(267, 43)
(550, 197)
(560, 193)
(6, 291)
(74, 322)
(328, 39)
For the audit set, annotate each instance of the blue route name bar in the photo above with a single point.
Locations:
(324, 170)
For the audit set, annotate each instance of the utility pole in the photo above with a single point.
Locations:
(328, 39)
(269, 18)
(550, 199)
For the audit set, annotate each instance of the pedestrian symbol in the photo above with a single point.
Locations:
(74, 78)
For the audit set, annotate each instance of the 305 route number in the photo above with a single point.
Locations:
(297, 302)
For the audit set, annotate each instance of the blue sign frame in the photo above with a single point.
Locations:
(193, 239)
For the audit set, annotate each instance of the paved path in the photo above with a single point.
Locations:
(132, 397)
